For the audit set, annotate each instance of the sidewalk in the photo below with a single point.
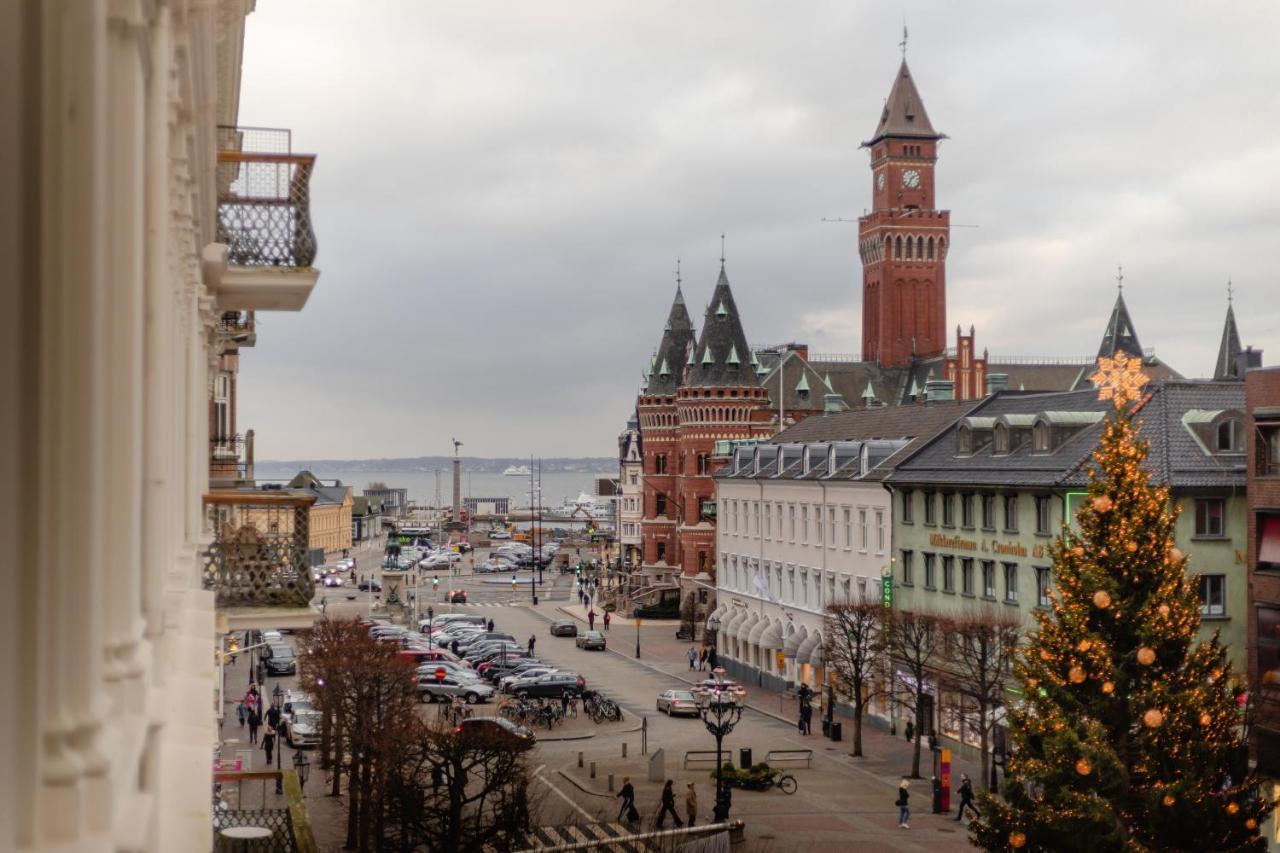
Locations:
(884, 755)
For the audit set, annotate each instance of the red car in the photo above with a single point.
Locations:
(457, 596)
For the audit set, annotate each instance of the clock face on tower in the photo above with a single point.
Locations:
(880, 181)
(911, 179)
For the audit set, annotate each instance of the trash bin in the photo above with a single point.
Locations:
(744, 758)
(826, 727)
(837, 730)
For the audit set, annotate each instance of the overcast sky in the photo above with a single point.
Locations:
(502, 190)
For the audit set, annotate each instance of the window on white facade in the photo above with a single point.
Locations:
(768, 519)
(817, 523)
(804, 589)
(804, 524)
(848, 530)
(831, 524)
(791, 508)
(862, 530)
(879, 531)
(791, 585)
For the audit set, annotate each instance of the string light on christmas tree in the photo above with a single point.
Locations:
(1168, 800)
(1108, 688)
(1163, 610)
(1102, 503)
(1232, 808)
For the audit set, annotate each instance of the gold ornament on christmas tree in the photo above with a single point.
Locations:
(1083, 767)
(1102, 503)
(1163, 610)
(1153, 718)
(1017, 839)
(1232, 808)
(1119, 378)
(1205, 719)
(1175, 555)
(1168, 799)
(1146, 657)
(1102, 599)
(1131, 546)
(1108, 688)
(1076, 675)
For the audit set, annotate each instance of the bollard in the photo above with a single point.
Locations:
(579, 759)
(624, 749)
(593, 770)
(610, 783)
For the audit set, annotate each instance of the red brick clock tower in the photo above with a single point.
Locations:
(903, 240)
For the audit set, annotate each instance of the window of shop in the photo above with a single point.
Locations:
(1011, 583)
(989, 579)
(1042, 586)
(966, 575)
(930, 568)
(948, 574)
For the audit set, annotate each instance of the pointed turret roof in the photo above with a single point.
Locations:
(1227, 366)
(721, 335)
(904, 113)
(677, 337)
(1120, 335)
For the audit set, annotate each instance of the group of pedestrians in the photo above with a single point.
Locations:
(249, 712)
(904, 800)
(666, 804)
(701, 659)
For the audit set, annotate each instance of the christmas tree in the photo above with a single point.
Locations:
(1129, 737)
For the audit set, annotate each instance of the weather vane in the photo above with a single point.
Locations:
(1229, 291)
(722, 249)
(903, 44)
(1119, 277)
(677, 272)
(1119, 379)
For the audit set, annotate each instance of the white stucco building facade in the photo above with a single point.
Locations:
(109, 116)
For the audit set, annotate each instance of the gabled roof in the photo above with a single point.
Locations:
(677, 337)
(1120, 336)
(721, 335)
(1229, 349)
(904, 113)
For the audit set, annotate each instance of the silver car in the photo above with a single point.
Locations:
(302, 728)
(434, 690)
(677, 702)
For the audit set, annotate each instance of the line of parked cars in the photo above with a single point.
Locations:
(513, 556)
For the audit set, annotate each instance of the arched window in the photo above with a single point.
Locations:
(1040, 436)
(942, 248)
(897, 248)
(888, 249)
(910, 246)
(964, 441)
(930, 248)
(1001, 439)
(920, 248)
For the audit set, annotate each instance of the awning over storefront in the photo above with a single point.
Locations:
(810, 643)
(744, 627)
(815, 656)
(772, 637)
(729, 627)
(792, 643)
(1269, 545)
(757, 630)
(719, 614)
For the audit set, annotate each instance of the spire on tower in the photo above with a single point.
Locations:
(1227, 366)
(677, 336)
(904, 113)
(1120, 335)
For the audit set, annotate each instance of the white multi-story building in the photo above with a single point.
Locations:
(630, 499)
(806, 522)
(110, 117)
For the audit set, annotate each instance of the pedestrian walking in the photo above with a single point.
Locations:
(564, 703)
(904, 810)
(268, 744)
(628, 795)
(273, 718)
(702, 659)
(806, 719)
(606, 621)
(668, 806)
(240, 713)
(591, 620)
(911, 731)
(712, 659)
(691, 804)
(255, 721)
(966, 797)
(490, 626)
(532, 640)
(692, 654)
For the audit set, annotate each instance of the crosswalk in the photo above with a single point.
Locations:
(551, 837)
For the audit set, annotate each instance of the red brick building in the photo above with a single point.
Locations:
(1262, 407)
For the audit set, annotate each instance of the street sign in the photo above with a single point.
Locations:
(886, 591)
(781, 660)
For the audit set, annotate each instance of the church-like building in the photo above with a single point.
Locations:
(705, 390)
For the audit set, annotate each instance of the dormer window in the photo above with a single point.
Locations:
(1229, 438)
(1001, 440)
(964, 441)
(1041, 437)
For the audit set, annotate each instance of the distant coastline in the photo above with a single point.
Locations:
(428, 464)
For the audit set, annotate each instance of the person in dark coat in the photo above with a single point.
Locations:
(490, 626)
(712, 660)
(903, 804)
(628, 795)
(668, 806)
(911, 730)
(966, 797)
(806, 719)
(591, 620)
(532, 640)
(268, 744)
(255, 720)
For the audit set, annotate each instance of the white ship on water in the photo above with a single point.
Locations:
(517, 471)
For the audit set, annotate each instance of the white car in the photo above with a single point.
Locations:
(499, 534)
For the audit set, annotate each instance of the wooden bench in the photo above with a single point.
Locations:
(702, 757)
(774, 756)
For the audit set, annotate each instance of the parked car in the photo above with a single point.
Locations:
(433, 690)
(507, 683)
(487, 568)
(368, 583)
(302, 728)
(564, 628)
(591, 640)
(457, 669)
(672, 702)
(457, 596)
(499, 534)
(496, 729)
(279, 660)
(553, 685)
(496, 669)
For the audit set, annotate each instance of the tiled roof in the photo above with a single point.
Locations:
(904, 113)
(673, 349)
(722, 336)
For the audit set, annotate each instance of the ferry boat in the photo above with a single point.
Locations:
(517, 471)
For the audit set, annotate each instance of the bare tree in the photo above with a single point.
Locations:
(980, 663)
(915, 641)
(689, 616)
(452, 791)
(854, 649)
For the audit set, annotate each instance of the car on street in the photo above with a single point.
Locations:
(279, 660)
(434, 690)
(499, 534)
(673, 702)
(553, 685)
(564, 628)
(508, 682)
(302, 728)
(499, 668)
(488, 568)
(332, 580)
(496, 729)
(457, 596)
(591, 640)
(366, 584)
(457, 669)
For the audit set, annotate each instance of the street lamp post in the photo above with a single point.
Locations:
(277, 698)
(302, 767)
(720, 712)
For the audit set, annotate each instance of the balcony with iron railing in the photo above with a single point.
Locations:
(258, 556)
(237, 328)
(266, 247)
(269, 801)
(230, 460)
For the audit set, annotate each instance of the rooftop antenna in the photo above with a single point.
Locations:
(902, 45)
(456, 445)
(722, 249)
(1120, 278)
(1228, 291)
(677, 273)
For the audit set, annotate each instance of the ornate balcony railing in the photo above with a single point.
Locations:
(245, 798)
(258, 556)
(236, 325)
(264, 199)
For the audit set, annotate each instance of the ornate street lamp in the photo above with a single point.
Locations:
(720, 712)
(277, 699)
(302, 767)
